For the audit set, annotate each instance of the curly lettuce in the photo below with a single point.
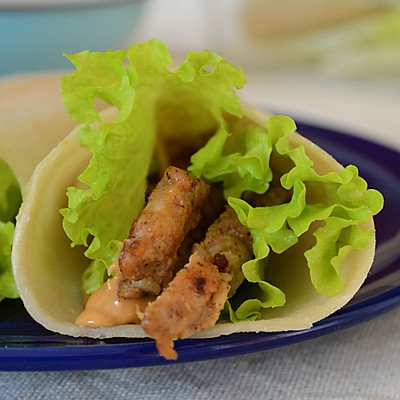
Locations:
(338, 200)
(140, 83)
(10, 201)
(152, 99)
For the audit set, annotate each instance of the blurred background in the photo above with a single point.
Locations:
(336, 62)
(358, 38)
(34, 34)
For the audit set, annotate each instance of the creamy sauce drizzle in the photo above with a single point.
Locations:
(105, 308)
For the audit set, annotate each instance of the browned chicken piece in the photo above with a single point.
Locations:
(227, 244)
(196, 296)
(212, 208)
(149, 253)
(192, 301)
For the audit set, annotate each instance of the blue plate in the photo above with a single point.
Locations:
(25, 345)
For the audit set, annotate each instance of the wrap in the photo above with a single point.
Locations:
(312, 252)
(32, 121)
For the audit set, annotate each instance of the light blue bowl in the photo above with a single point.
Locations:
(34, 37)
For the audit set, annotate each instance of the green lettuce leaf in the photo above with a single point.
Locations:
(154, 99)
(10, 201)
(340, 200)
(10, 193)
(7, 283)
(149, 96)
(244, 166)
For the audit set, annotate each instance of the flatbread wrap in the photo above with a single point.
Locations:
(32, 121)
(181, 211)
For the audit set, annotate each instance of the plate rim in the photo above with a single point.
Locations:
(81, 353)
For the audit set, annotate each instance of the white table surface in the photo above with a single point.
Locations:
(362, 362)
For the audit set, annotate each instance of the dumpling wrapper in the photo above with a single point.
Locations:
(48, 272)
(32, 120)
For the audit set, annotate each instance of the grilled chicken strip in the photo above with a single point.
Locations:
(196, 296)
(192, 301)
(228, 245)
(149, 253)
